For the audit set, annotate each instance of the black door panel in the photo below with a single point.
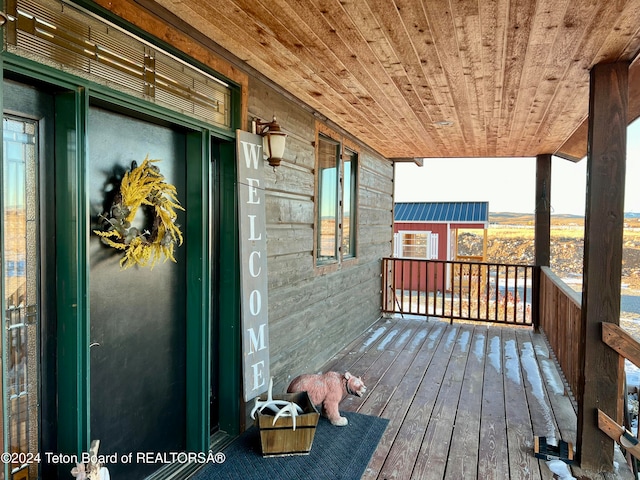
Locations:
(137, 316)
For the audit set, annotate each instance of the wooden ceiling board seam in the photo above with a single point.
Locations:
(568, 43)
(389, 20)
(418, 26)
(559, 121)
(626, 26)
(413, 99)
(381, 48)
(500, 98)
(466, 24)
(493, 37)
(579, 98)
(360, 49)
(390, 15)
(384, 71)
(397, 37)
(440, 9)
(329, 79)
(577, 101)
(333, 107)
(540, 41)
(539, 107)
(467, 28)
(519, 29)
(430, 64)
(360, 117)
(188, 14)
(426, 67)
(352, 65)
(412, 123)
(266, 69)
(371, 31)
(575, 147)
(347, 45)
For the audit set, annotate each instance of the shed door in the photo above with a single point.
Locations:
(138, 335)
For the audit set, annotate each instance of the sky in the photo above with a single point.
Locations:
(508, 184)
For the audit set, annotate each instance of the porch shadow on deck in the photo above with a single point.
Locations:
(463, 400)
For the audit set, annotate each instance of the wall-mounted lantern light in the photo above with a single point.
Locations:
(273, 140)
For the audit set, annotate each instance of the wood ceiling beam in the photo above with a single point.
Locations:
(417, 161)
(575, 148)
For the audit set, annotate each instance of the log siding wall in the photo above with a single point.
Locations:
(314, 313)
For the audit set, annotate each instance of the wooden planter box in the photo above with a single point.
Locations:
(281, 439)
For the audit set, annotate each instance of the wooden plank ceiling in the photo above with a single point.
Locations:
(431, 78)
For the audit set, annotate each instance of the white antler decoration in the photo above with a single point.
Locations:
(289, 410)
(93, 470)
(279, 407)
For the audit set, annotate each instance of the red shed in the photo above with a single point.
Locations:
(440, 231)
(431, 230)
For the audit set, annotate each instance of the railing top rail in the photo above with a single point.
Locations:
(462, 262)
(626, 346)
(623, 343)
(570, 293)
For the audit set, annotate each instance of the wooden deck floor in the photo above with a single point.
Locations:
(464, 401)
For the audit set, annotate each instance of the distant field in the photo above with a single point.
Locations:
(574, 221)
(512, 225)
(511, 239)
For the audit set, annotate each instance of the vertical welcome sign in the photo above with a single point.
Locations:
(253, 258)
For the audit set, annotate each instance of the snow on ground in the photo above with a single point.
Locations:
(561, 469)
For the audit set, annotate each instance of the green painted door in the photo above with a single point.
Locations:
(138, 319)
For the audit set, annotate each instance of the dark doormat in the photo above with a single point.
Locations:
(336, 453)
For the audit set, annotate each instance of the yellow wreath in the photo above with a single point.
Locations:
(143, 185)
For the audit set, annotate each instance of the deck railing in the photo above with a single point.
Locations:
(560, 320)
(629, 349)
(474, 291)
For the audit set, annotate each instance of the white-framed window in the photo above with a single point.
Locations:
(416, 244)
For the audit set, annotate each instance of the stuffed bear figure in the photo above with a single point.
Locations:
(328, 389)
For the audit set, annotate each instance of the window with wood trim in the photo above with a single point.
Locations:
(418, 244)
(336, 226)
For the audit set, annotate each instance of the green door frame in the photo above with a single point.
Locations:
(209, 185)
(72, 273)
(228, 295)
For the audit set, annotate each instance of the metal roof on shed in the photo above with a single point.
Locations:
(468, 212)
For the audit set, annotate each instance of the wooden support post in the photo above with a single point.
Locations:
(484, 244)
(542, 232)
(543, 211)
(601, 367)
